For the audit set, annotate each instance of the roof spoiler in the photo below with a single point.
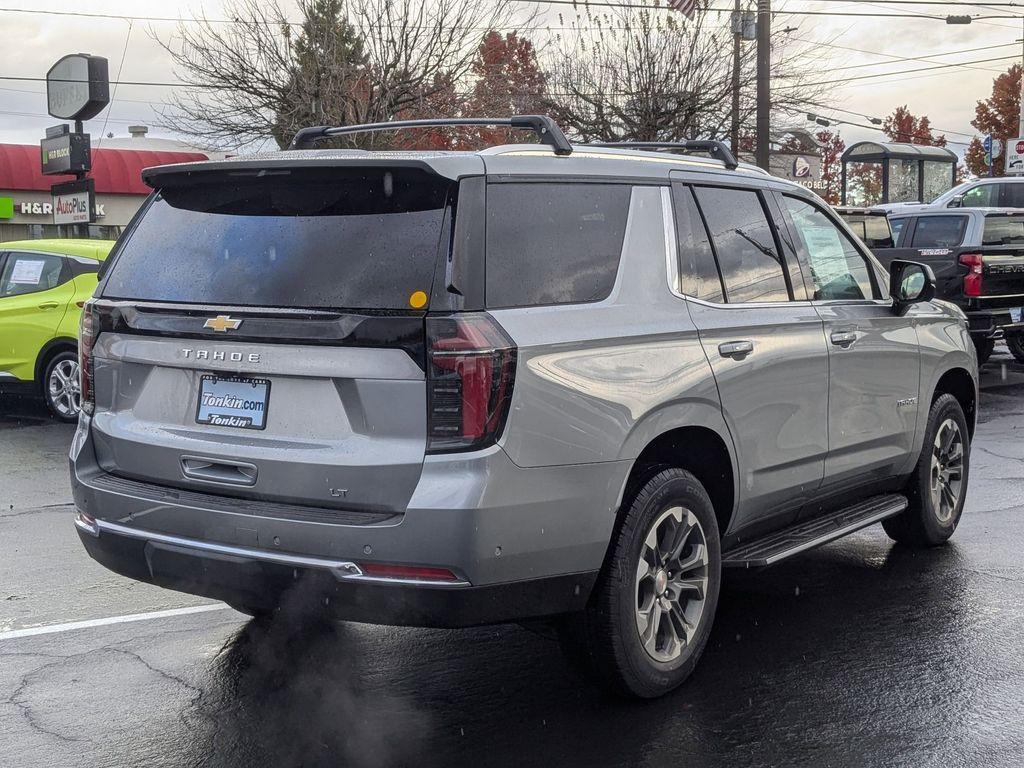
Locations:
(716, 149)
(546, 129)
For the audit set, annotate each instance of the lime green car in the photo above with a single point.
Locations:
(43, 285)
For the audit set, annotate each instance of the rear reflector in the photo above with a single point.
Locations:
(406, 572)
(471, 367)
(975, 271)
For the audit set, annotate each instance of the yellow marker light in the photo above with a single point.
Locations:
(418, 300)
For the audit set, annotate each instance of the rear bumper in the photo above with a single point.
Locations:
(523, 543)
(332, 588)
(992, 324)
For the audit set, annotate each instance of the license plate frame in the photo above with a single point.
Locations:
(250, 413)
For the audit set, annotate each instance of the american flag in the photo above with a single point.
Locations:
(686, 7)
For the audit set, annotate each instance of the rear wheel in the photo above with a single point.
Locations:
(938, 486)
(1016, 346)
(651, 612)
(984, 349)
(61, 388)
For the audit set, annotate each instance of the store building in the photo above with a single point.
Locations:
(26, 211)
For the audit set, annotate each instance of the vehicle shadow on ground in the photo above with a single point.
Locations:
(791, 652)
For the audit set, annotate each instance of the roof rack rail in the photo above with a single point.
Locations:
(547, 130)
(717, 149)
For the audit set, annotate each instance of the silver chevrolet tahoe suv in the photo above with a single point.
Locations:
(544, 382)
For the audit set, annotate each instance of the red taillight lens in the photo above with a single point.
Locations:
(406, 572)
(88, 328)
(975, 270)
(471, 367)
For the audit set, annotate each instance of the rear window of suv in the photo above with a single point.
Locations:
(1003, 230)
(939, 232)
(553, 243)
(323, 239)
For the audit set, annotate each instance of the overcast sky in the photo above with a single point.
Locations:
(34, 41)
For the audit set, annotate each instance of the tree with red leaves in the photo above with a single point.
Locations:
(996, 115)
(903, 126)
(832, 147)
(509, 81)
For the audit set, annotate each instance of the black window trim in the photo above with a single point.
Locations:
(878, 287)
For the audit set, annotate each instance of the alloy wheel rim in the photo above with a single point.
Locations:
(671, 584)
(64, 388)
(947, 470)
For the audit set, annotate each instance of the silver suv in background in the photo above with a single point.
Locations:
(535, 382)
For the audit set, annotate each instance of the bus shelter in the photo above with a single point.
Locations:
(875, 173)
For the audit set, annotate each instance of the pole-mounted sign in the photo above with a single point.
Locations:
(77, 88)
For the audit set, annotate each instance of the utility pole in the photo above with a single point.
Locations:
(764, 99)
(1020, 125)
(737, 36)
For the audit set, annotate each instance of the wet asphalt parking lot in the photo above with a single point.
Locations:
(859, 653)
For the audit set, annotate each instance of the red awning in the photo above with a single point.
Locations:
(116, 171)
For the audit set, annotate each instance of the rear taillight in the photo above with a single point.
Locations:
(88, 329)
(975, 269)
(471, 366)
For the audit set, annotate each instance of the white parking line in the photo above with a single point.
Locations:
(73, 625)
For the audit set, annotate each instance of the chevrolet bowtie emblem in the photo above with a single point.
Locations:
(222, 323)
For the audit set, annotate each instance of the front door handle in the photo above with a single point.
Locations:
(49, 305)
(737, 350)
(843, 338)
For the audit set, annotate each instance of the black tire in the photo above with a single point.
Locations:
(1016, 347)
(930, 521)
(605, 640)
(60, 393)
(984, 349)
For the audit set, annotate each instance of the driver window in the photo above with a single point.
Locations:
(30, 273)
(837, 268)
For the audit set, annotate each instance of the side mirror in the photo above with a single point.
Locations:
(909, 283)
(956, 202)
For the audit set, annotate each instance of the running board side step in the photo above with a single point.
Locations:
(813, 533)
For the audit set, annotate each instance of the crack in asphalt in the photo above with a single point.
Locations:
(26, 709)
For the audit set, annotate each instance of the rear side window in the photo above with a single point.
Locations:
(1012, 195)
(749, 261)
(30, 273)
(1003, 230)
(939, 231)
(321, 239)
(553, 243)
(698, 274)
(982, 196)
(897, 228)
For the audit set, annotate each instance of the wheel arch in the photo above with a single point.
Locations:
(959, 383)
(699, 449)
(49, 350)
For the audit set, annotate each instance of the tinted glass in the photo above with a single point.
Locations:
(981, 196)
(897, 227)
(359, 241)
(553, 243)
(749, 261)
(30, 273)
(1003, 230)
(698, 273)
(1012, 196)
(837, 268)
(939, 231)
(877, 233)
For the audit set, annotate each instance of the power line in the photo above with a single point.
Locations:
(901, 72)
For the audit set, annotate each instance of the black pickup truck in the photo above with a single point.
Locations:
(977, 255)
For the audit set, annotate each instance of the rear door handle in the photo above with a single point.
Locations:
(49, 305)
(737, 350)
(843, 338)
(210, 470)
